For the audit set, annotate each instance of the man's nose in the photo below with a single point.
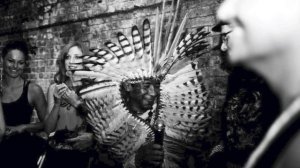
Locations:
(227, 11)
(224, 45)
(151, 91)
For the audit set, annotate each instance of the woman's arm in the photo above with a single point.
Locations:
(2, 123)
(37, 99)
(71, 97)
(53, 109)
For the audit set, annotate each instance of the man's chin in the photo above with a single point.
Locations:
(147, 106)
(236, 58)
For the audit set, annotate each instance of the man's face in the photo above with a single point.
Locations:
(260, 28)
(225, 34)
(225, 45)
(144, 94)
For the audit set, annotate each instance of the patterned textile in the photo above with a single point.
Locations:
(249, 110)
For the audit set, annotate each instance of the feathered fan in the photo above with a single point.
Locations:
(182, 103)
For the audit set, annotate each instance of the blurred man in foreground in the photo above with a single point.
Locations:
(245, 114)
(267, 41)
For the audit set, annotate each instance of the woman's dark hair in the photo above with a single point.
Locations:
(16, 45)
(60, 76)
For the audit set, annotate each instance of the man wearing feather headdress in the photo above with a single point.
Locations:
(267, 41)
(140, 98)
(137, 88)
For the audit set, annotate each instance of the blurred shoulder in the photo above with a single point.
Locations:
(52, 86)
(35, 88)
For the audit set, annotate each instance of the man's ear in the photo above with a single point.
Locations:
(127, 87)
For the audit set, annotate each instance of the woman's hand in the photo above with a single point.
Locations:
(71, 97)
(82, 142)
(60, 90)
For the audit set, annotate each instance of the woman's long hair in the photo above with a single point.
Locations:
(60, 76)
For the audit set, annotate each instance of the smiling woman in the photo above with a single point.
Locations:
(19, 99)
(14, 63)
(71, 141)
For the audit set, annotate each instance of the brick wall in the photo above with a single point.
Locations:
(47, 25)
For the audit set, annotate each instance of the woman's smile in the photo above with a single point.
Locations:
(14, 63)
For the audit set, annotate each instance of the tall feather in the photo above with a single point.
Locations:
(137, 42)
(156, 38)
(147, 58)
(168, 28)
(172, 28)
(147, 37)
(167, 61)
(116, 50)
(159, 42)
(126, 47)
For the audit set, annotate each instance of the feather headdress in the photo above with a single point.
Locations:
(182, 102)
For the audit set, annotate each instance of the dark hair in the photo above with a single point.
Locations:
(16, 45)
(60, 76)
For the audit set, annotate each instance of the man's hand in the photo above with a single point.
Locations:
(82, 142)
(15, 130)
(150, 155)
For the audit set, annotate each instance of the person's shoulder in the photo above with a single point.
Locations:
(35, 92)
(288, 157)
(35, 88)
(33, 85)
(51, 87)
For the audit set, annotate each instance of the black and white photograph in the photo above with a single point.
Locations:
(149, 83)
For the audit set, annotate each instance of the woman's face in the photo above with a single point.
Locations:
(72, 58)
(14, 63)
